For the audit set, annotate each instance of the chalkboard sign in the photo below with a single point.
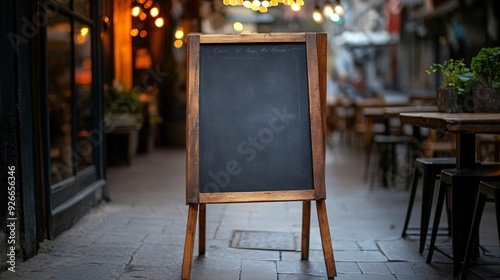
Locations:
(256, 114)
(256, 107)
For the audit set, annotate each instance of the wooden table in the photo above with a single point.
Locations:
(383, 114)
(466, 126)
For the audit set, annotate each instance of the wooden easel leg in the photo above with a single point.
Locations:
(202, 230)
(189, 242)
(326, 240)
(306, 229)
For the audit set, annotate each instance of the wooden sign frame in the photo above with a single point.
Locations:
(316, 52)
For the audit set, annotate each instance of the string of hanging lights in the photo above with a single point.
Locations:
(144, 9)
(330, 11)
(264, 5)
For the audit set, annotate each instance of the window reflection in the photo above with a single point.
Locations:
(83, 91)
(82, 7)
(59, 96)
(64, 3)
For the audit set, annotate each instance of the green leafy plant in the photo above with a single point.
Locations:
(455, 74)
(118, 100)
(486, 68)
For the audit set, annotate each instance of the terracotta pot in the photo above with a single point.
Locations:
(450, 101)
(487, 100)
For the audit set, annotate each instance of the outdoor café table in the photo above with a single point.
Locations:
(466, 126)
(383, 114)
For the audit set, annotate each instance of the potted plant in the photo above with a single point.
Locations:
(453, 96)
(123, 107)
(485, 67)
(123, 121)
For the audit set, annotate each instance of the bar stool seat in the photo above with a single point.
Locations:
(469, 177)
(487, 191)
(429, 169)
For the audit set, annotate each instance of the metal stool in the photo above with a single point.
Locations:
(429, 169)
(449, 179)
(487, 191)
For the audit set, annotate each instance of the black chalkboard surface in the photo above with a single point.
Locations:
(255, 127)
(254, 118)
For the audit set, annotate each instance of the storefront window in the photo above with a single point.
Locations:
(64, 3)
(82, 7)
(70, 96)
(59, 97)
(83, 90)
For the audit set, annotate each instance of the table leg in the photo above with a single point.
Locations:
(466, 150)
(463, 204)
(461, 197)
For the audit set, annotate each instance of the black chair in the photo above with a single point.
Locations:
(429, 169)
(487, 191)
(468, 178)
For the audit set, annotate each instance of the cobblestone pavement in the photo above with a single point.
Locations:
(140, 233)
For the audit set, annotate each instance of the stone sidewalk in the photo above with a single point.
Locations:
(140, 233)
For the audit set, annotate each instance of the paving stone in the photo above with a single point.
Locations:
(422, 277)
(221, 249)
(347, 267)
(302, 267)
(365, 277)
(401, 267)
(215, 268)
(340, 245)
(368, 245)
(134, 272)
(374, 268)
(299, 277)
(158, 255)
(258, 270)
(360, 256)
(401, 250)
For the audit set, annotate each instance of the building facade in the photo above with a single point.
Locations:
(53, 132)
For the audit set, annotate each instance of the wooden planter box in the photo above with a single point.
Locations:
(450, 101)
(487, 100)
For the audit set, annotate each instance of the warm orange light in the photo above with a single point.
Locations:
(143, 16)
(317, 15)
(143, 33)
(179, 33)
(238, 26)
(136, 11)
(84, 31)
(154, 12)
(178, 44)
(141, 1)
(134, 32)
(159, 22)
(148, 4)
(80, 39)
